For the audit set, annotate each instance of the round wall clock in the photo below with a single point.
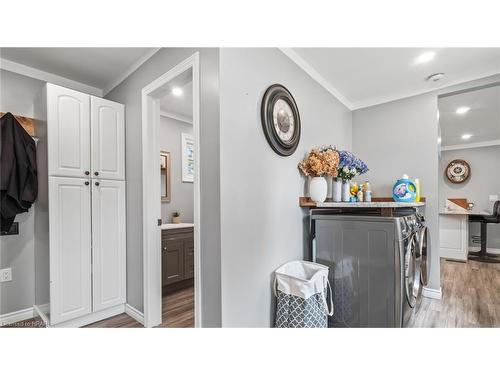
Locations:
(280, 120)
(458, 171)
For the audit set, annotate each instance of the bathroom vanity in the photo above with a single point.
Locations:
(177, 257)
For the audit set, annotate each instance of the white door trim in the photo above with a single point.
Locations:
(151, 192)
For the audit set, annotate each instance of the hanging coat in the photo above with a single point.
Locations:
(18, 174)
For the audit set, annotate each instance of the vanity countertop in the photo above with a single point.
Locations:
(465, 212)
(176, 226)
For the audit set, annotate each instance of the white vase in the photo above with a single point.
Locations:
(346, 191)
(337, 190)
(318, 189)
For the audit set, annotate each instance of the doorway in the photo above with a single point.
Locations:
(183, 259)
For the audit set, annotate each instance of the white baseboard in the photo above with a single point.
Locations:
(43, 312)
(134, 313)
(91, 318)
(16, 316)
(431, 293)
(490, 250)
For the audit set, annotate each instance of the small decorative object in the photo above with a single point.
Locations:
(176, 218)
(349, 167)
(280, 120)
(337, 189)
(319, 163)
(187, 149)
(417, 184)
(458, 171)
(360, 194)
(165, 176)
(318, 189)
(368, 196)
(404, 190)
(346, 191)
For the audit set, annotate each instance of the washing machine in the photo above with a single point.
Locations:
(376, 265)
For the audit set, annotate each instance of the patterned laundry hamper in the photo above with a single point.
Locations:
(301, 290)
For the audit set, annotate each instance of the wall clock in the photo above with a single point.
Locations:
(458, 171)
(280, 120)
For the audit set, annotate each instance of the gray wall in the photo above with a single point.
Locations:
(129, 93)
(17, 94)
(401, 137)
(182, 197)
(262, 225)
(483, 181)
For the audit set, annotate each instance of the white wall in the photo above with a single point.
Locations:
(17, 94)
(182, 198)
(484, 181)
(262, 225)
(397, 138)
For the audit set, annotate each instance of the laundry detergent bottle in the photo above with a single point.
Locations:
(404, 190)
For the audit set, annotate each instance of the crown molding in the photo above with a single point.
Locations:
(129, 71)
(314, 74)
(41, 75)
(495, 142)
(176, 116)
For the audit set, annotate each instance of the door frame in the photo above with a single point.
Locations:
(151, 195)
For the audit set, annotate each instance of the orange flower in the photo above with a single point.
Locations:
(320, 162)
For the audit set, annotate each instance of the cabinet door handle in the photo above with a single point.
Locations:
(165, 248)
(87, 173)
(96, 173)
(97, 183)
(87, 183)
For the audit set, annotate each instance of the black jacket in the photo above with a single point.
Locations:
(18, 175)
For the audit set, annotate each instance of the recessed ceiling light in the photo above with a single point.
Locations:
(177, 91)
(462, 110)
(435, 77)
(466, 136)
(425, 57)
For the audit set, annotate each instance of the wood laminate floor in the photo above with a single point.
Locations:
(177, 307)
(470, 297)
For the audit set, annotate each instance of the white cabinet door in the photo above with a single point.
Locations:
(68, 121)
(108, 139)
(108, 243)
(70, 248)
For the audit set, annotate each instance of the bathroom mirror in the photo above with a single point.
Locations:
(165, 176)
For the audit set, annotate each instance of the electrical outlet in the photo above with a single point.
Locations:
(5, 275)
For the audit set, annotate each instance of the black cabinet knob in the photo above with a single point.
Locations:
(87, 173)
(96, 173)
(87, 183)
(97, 183)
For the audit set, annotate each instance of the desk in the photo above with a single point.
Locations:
(454, 233)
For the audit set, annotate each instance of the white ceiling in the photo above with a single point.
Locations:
(102, 68)
(482, 121)
(361, 77)
(181, 105)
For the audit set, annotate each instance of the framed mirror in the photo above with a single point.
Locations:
(165, 176)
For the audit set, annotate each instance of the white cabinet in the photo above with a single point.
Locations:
(108, 139)
(70, 248)
(68, 123)
(82, 151)
(453, 236)
(108, 243)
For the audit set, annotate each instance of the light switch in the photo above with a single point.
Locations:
(493, 198)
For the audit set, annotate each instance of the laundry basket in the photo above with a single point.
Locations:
(301, 291)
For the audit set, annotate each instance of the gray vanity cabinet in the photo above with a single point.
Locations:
(177, 255)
